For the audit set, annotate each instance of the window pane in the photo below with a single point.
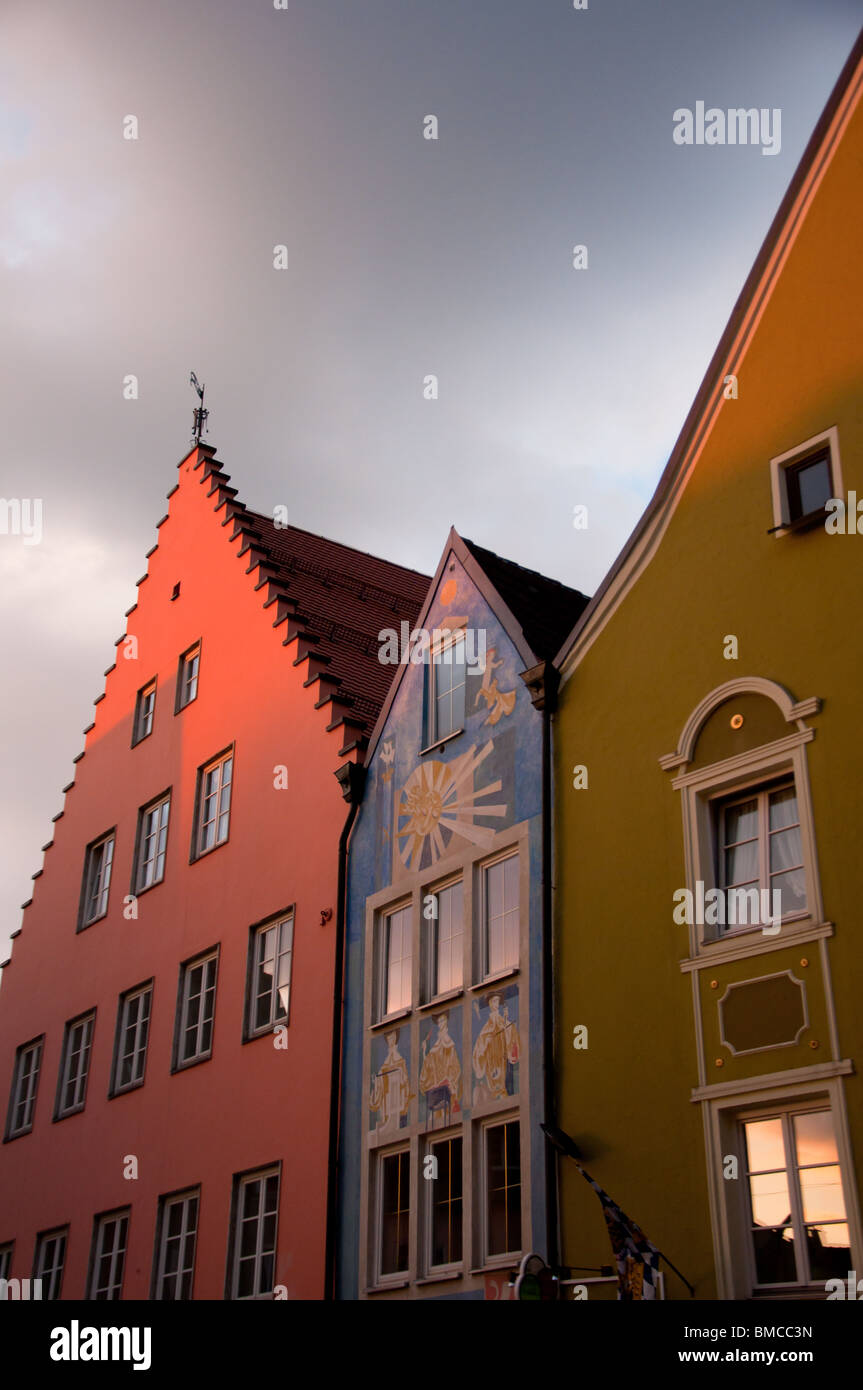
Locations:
(394, 1213)
(814, 483)
(783, 808)
(774, 1256)
(829, 1250)
(741, 822)
(446, 1242)
(792, 888)
(771, 1204)
(814, 1138)
(503, 1170)
(822, 1194)
(741, 865)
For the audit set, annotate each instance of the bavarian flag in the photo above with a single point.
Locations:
(637, 1259)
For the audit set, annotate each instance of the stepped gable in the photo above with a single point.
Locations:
(544, 609)
(345, 598)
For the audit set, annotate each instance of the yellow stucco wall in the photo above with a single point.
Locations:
(794, 604)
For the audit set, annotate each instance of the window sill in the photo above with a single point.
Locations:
(439, 999)
(389, 1019)
(496, 979)
(751, 943)
(801, 523)
(439, 743)
(139, 892)
(265, 1032)
(496, 1264)
(445, 1277)
(204, 853)
(384, 1288)
(124, 1090)
(192, 1062)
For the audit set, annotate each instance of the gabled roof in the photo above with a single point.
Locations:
(532, 610)
(543, 608)
(647, 535)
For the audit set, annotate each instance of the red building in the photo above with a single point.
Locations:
(166, 1019)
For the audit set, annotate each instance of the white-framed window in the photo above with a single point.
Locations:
(254, 1235)
(75, 1065)
(392, 1212)
(213, 801)
(97, 879)
(395, 961)
(500, 914)
(6, 1253)
(133, 1029)
(446, 688)
(760, 849)
(269, 993)
(145, 709)
(798, 1221)
(501, 1187)
(25, 1080)
(445, 1202)
(197, 1006)
(803, 479)
(443, 925)
(152, 840)
(49, 1261)
(175, 1246)
(108, 1255)
(187, 677)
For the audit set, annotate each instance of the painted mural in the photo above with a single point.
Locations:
(441, 1078)
(496, 1045)
(391, 1095)
(439, 801)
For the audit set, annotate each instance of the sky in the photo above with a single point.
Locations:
(305, 127)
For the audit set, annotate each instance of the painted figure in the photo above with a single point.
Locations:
(495, 1052)
(499, 702)
(391, 1092)
(440, 1075)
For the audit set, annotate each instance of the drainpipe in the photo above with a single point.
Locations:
(351, 778)
(542, 681)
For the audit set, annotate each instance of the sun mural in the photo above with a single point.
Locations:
(438, 801)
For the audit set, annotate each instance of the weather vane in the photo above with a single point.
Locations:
(199, 414)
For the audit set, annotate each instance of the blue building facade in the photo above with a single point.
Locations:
(442, 1165)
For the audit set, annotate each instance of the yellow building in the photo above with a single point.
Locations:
(709, 758)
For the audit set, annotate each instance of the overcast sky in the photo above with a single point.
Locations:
(407, 257)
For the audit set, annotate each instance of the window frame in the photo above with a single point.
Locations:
(141, 836)
(167, 1200)
(760, 792)
(452, 638)
(184, 659)
(227, 754)
(382, 937)
(109, 837)
(55, 1277)
(432, 1142)
(259, 930)
(400, 1276)
(232, 1276)
(486, 1125)
(790, 463)
(202, 958)
(430, 940)
(37, 1044)
(138, 719)
(64, 1077)
(484, 973)
(118, 1088)
(100, 1222)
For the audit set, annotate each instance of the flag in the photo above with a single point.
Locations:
(637, 1258)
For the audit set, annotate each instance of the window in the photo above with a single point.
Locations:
(108, 1256)
(445, 1203)
(145, 708)
(175, 1247)
(97, 879)
(760, 849)
(151, 841)
(49, 1261)
(254, 1234)
(502, 1188)
(187, 677)
(500, 899)
(803, 480)
(25, 1079)
(6, 1259)
(799, 1232)
(445, 936)
(395, 961)
(446, 688)
(270, 976)
(196, 1008)
(213, 804)
(130, 1049)
(75, 1065)
(393, 1212)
